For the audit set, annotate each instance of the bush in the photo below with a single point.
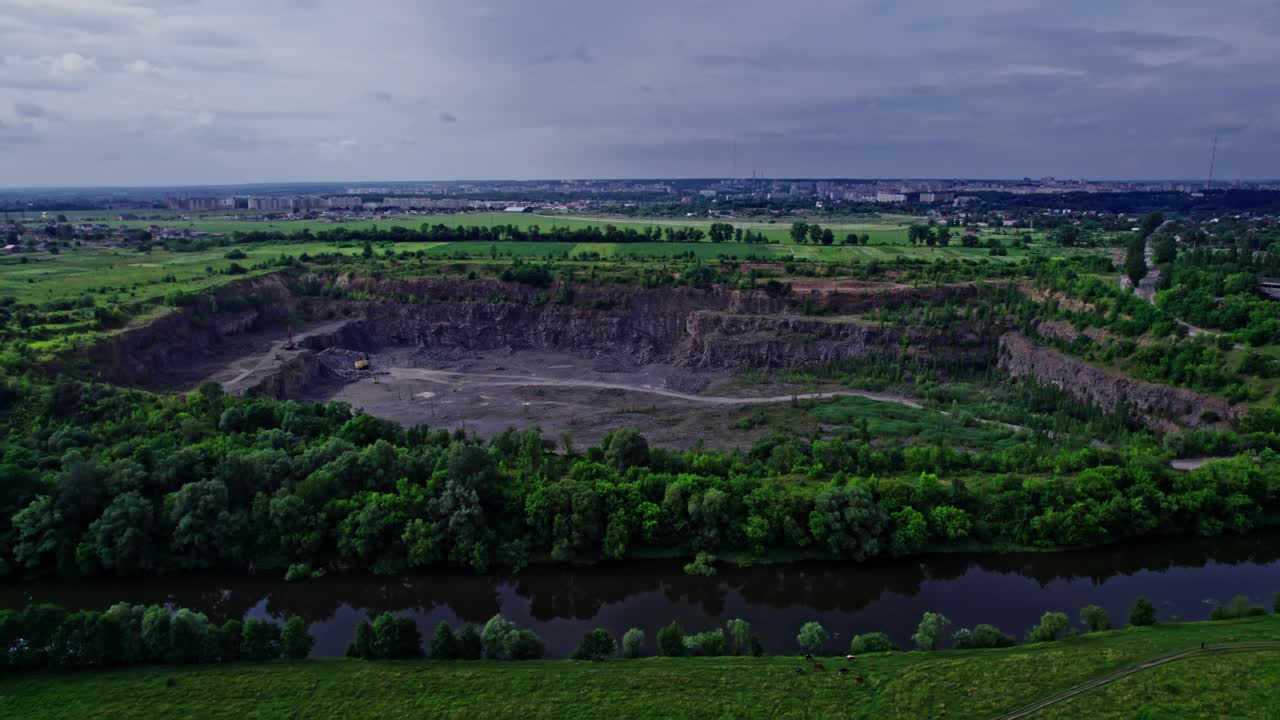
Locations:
(470, 646)
(493, 638)
(989, 636)
(870, 643)
(1239, 607)
(597, 644)
(1142, 613)
(362, 645)
(187, 637)
(812, 637)
(632, 643)
(703, 564)
(707, 644)
(932, 626)
(524, 645)
(301, 571)
(259, 640)
(297, 638)
(1052, 624)
(396, 638)
(1095, 618)
(740, 635)
(444, 643)
(671, 640)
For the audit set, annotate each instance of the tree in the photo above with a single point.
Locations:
(155, 633)
(812, 637)
(632, 643)
(932, 627)
(740, 634)
(187, 632)
(362, 645)
(204, 529)
(494, 635)
(671, 640)
(524, 645)
(849, 521)
(296, 639)
(1095, 618)
(828, 237)
(625, 448)
(1052, 624)
(989, 636)
(259, 640)
(444, 644)
(470, 646)
(871, 642)
(799, 232)
(396, 637)
(910, 533)
(121, 538)
(1143, 613)
(1067, 235)
(1275, 604)
(596, 644)
(950, 522)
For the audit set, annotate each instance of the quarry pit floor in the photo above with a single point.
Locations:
(565, 395)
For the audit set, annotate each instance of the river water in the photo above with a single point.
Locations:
(560, 603)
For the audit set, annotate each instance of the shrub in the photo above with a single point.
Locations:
(297, 638)
(671, 640)
(362, 645)
(740, 634)
(225, 643)
(1239, 607)
(1142, 613)
(494, 637)
(632, 643)
(1095, 618)
(1052, 624)
(187, 637)
(932, 626)
(444, 643)
(989, 636)
(962, 639)
(396, 638)
(812, 637)
(524, 645)
(707, 644)
(703, 564)
(470, 646)
(870, 643)
(259, 640)
(597, 644)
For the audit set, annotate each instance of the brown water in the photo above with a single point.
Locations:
(1010, 591)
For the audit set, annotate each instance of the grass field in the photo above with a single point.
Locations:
(961, 684)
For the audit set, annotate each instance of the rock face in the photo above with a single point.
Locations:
(1159, 407)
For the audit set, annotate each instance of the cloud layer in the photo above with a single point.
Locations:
(117, 92)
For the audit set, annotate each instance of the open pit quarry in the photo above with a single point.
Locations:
(485, 355)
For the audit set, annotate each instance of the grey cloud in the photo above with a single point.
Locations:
(29, 110)
(446, 117)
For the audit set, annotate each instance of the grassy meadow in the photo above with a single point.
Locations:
(962, 684)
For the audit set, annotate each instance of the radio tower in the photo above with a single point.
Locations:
(1213, 159)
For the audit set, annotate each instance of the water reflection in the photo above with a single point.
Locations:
(561, 603)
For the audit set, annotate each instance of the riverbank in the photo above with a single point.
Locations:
(974, 683)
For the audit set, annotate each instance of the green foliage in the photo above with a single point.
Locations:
(812, 637)
(671, 640)
(493, 637)
(524, 645)
(596, 644)
(632, 643)
(444, 643)
(1095, 618)
(711, 643)
(871, 642)
(931, 629)
(395, 638)
(259, 640)
(470, 644)
(910, 533)
(703, 564)
(1052, 624)
(296, 639)
(740, 635)
(1142, 613)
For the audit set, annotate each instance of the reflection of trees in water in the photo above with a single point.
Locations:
(557, 592)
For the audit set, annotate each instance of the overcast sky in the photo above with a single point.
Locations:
(110, 92)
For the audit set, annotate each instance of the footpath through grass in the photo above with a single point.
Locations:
(975, 683)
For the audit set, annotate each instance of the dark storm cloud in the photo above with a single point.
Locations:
(292, 90)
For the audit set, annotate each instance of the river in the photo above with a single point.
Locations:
(560, 603)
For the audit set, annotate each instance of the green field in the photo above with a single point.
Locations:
(962, 684)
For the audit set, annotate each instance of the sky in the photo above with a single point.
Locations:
(161, 92)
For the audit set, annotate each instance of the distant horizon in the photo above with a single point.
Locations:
(1217, 182)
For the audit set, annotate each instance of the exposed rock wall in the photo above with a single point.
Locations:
(1160, 407)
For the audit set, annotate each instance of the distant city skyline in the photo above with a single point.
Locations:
(124, 93)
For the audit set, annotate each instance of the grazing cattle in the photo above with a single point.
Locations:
(859, 679)
(818, 666)
(850, 658)
(843, 670)
(799, 671)
(807, 656)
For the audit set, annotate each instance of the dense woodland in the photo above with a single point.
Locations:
(101, 480)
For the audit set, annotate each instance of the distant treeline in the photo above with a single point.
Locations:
(717, 232)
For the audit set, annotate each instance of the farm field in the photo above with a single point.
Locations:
(974, 683)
